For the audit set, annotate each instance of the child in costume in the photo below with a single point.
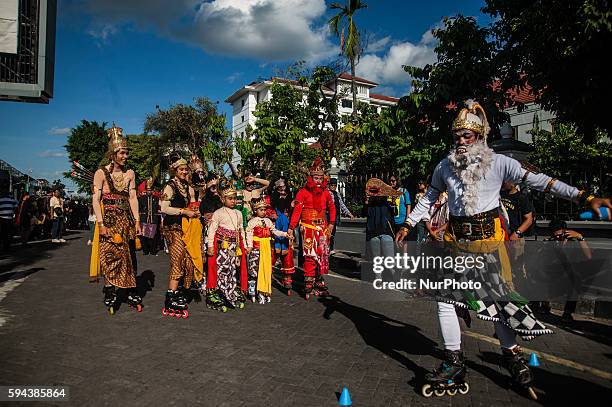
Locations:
(226, 249)
(259, 233)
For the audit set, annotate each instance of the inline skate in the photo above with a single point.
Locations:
(134, 301)
(516, 363)
(449, 378)
(110, 299)
(308, 287)
(240, 299)
(320, 288)
(175, 305)
(214, 301)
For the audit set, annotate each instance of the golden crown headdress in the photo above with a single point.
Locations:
(472, 117)
(317, 167)
(116, 140)
(259, 204)
(227, 189)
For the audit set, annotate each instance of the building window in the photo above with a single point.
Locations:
(242, 134)
(242, 118)
(242, 102)
(347, 103)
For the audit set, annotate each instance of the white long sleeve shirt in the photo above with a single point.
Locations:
(502, 169)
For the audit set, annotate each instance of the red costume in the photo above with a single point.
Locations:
(312, 205)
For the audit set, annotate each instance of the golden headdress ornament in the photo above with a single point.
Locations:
(227, 189)
(472, 117)
(116, 140)
(259, 204)
(178, 161)
(195, 163)
(317, 167)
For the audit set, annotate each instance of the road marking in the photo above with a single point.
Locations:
(5, 289)
(547, 356)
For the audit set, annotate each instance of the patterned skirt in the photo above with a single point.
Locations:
(115, 258)
(181, 265)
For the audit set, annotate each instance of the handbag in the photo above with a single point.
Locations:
(149, 230)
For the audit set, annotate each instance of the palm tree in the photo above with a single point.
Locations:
(350, 45)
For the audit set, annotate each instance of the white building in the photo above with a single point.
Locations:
(244, 101)
(522, 122)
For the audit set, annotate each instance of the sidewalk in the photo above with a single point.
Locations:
(54, 330)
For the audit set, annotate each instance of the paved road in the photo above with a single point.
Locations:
(54, 330)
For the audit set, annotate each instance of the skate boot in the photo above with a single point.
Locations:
(261, 298)
(175, 305)
(214, 301)
(448, 378)
(110, 299)
(287, 284)
(308, 286)
(240, 299)
(252, 291)
(134, 301)
(515, 362)
(320, 288)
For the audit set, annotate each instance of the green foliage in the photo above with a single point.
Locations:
(59, 186)
(557, 46)
(87, 144)
(145, 156)
(563, 152)
(193, 129)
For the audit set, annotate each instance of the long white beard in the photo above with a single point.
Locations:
(470, 168)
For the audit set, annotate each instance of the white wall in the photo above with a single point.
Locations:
(522, 122)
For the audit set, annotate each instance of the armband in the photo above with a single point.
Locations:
(550, 185)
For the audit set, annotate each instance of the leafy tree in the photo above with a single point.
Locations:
(277, 141)
(145, 155)
(563, 154)
(557, 46)
(350, 44)
(197, 129)
(58, 185)
(87, 144)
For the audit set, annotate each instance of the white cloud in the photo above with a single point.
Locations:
(59, 131)
(233, 77)
(377, 45)
(52, 154)
(387, 69)
(263, 29)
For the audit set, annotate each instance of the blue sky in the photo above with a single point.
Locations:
(117, 59)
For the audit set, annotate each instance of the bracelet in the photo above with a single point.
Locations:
(589, 200)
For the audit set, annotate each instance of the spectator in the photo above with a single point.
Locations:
(92, 225)
(421, 228)
(340, 209)
(56, 205)
(8, 206)
(520, 211)
(560, 233)
(400, 204)
(379, 232)
(23, 219)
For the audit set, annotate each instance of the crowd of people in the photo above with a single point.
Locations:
(39, 217)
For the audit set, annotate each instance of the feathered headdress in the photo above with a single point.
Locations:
(472, 117)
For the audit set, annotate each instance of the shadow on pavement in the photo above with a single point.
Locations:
(391, 337)
(551, 388)
(595, 331)
(19, 274)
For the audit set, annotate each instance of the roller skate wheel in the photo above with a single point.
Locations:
(139, 307)
(439, 392)
(185, 314)
(171, 312)
(426, 390)
(532, 393)
(178, 314)
(223, 308)
(288, 293)
(253, 299)
(451, 392)
(464, 389)
(111, 311)
(240, 305)
(164, 312)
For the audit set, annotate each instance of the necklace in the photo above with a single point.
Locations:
(181, 188)
(118, 181)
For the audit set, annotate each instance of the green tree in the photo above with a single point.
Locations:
(564, 154)
(350, 37)
(557, 46)
(87, 144)
(194, 129)
(145, 155)
(276, 143)
(58, 185)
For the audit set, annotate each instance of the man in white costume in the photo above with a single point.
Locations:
(472, 174)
